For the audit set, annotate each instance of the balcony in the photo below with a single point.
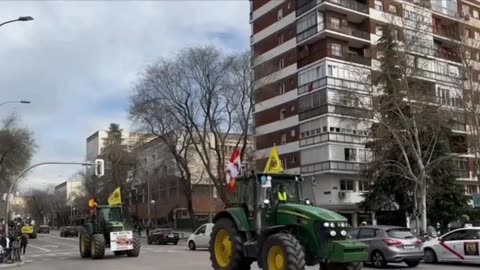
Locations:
(335, 109)
(333, 137)
(333, 82)
(444, 10)
(349, 4)
(350, 31)
(333, 165)
(446, 53)
(349, 56)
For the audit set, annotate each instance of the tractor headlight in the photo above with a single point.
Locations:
(326, 224)
(332, 225)
(333, 233)
(342, 225)
(343, 233)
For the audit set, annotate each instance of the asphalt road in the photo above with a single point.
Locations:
(51, 252)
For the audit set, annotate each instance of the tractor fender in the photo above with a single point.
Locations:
(264, 234)
(236, 214)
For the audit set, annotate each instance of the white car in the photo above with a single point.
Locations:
(201, 237)
(460, 245)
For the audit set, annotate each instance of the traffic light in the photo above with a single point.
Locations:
(99, 167)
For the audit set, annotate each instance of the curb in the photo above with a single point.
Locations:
(11, 265)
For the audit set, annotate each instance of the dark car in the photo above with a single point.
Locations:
(43, 229)
(389, 244)
(69, 231)
(163, 236)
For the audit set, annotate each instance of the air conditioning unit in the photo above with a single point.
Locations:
(342, 195)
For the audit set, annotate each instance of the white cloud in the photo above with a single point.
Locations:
(77, 61)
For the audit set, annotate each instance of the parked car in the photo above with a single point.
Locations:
(163, 236)
(389, 244)
(201, 237)
(460, 245)
(44, 229)
(69, 231)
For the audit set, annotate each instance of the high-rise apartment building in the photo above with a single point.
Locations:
(311, 56)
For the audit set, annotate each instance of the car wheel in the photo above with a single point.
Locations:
(430, 256)
(191, 245)
(378, 260)
(175, 243)
(412, 263)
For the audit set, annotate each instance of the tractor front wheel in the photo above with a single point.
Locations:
(97, 246)
(136, 247)
(282, 252)
(226, 247)
(84, 244)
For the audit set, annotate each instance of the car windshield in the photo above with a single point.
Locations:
(400, 233)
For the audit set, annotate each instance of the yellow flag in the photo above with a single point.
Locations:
(115, 198)
(274, 165)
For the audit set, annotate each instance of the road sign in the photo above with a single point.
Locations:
(476, 200)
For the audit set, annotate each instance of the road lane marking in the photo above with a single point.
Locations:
(57, 243)
(50, 246)
(63, 238)
(44, 249)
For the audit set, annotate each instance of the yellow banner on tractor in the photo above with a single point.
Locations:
(116, 197)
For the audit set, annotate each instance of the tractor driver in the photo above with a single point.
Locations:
(282, 194)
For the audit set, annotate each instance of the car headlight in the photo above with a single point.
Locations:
(343, 233)
(326, 224)
(333, 233)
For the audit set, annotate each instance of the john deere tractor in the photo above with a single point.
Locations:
(106, 229)
(280, 235)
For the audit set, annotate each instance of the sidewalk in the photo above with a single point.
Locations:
(11, 265)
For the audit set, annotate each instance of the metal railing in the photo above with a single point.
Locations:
(334, 82)
(333, 165)
(350, 4)
(333, 137)
(348, 30)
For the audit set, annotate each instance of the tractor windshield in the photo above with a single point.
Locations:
(111, 214)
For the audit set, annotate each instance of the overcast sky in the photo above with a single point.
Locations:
(77, 62)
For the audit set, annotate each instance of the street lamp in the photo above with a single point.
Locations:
(16, 101)
(19, 19)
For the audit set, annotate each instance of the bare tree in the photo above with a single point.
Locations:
(39, 205)
(205, 99)
(408, 119)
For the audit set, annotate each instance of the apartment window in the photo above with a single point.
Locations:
(465, 10)
(335, 23)
(281, 63)
(379, 30)
(283, 138)
(475, 14)
(294, 159)
(378, 5)
(392, 9)
(289, 5)
(281, 87)
(292, 133)
(336, 49)
(284, 164)
(363, 186)
(395, 34)
(350, 154)
(280, 39)
(347, 185)
(283, 112)
(472, 189)
(477, 35)
(279, 14)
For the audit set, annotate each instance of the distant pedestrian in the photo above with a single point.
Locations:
(23, 243)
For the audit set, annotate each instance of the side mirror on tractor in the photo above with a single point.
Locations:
(99, 167)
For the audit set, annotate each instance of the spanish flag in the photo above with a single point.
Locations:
(274, 165)
(116, 197)
(92, 203)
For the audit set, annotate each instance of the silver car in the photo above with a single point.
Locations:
(389, 244)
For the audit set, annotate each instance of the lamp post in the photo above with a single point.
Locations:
(19, 19)
(16, 101)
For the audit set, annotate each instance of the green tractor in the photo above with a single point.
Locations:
(287, 235)
(107, 229)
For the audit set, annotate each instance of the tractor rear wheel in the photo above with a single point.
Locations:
(84, 244)
(97, 246)
(282, 251)
(226, 247)
(136, 247)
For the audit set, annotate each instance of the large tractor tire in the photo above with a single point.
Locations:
(226, 247)
(282, 251)
(136, 247)
(341, 266)
(84, 244)
(97, 246)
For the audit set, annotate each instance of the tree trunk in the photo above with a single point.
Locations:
(423, 207)
(191, 212)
